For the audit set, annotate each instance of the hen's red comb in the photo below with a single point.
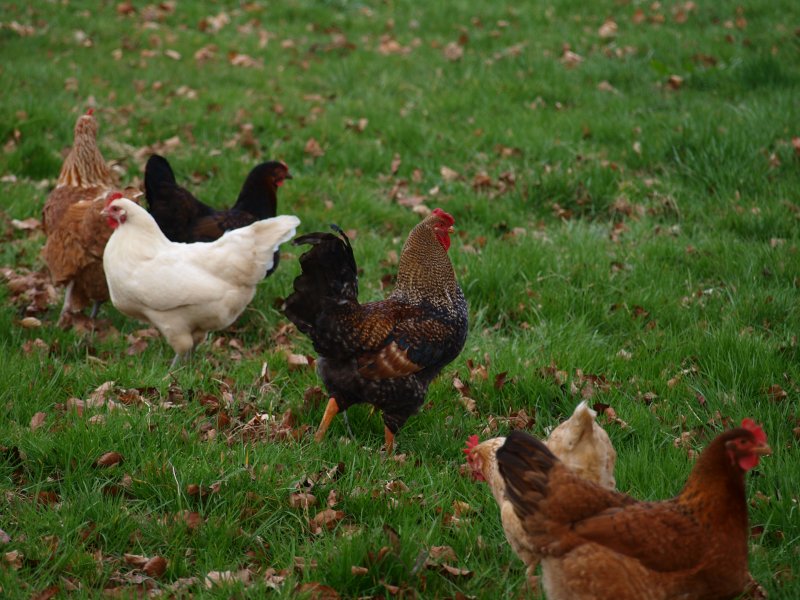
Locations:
(756, 430)
(472, 441)
(446, 217)
(112, 197)
(90, 112)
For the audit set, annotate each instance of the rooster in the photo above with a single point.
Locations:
(599, 544)
(75, 232)
(383, 353)
(579, 442)
(185, 290)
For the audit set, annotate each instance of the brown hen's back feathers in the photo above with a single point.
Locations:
(84, 173)
(692, 546)
(383, 353)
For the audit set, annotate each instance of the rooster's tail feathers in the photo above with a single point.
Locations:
(329, 272)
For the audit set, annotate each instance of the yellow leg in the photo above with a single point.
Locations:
(330, 412)
(389, 438)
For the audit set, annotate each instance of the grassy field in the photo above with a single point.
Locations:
(625, 178)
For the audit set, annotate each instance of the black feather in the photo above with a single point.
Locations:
(329, 273)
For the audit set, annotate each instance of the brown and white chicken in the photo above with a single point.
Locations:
(579, 442)
(599, 544)
(76, 233)
(186, 290)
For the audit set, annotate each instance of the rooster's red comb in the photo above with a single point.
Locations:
(446, 217)
(112, 197)
(472, 441)
(756, 430)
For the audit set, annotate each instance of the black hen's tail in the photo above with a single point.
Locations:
(328, 275)
(173, 207)
(157, 173)
(525, 464)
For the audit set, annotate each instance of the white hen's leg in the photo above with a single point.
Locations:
(95, 310)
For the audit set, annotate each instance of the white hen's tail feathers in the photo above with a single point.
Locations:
(246, 254)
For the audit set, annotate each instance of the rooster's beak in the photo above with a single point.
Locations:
(288, 176)
(451, 229)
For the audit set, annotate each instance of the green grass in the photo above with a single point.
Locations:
(659, 221)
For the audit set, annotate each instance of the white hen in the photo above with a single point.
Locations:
(186, 290)
(579, 442)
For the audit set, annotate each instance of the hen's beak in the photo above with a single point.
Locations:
(288, 176)
(763, 450)
(104, 212)
(451, 229)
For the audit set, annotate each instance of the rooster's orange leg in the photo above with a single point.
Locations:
(330, 412)
(389, 439)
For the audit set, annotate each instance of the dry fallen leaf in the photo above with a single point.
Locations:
(155, 567)
(313, 148)
(109, 459)
(37, 420)
(325, 520)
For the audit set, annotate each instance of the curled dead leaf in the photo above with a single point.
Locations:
(302, 500)
(155, 567)
(37, 420)
(109, 459)
(325, 520)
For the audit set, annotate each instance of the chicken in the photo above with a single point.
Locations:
(579, 442)
(84, 174)
(584, 446)
(185, 290)
(183, 218)
(600, 544)
(384, 353)
(75, 232)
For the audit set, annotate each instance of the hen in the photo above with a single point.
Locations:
(84, 174)
(599, 544)
(185, 290)
(384, 353)
(183, 218)
(75, 232)
(579, 442)
(74, 254)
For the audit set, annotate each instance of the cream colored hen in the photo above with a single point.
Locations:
(580, 443)
(186, 290)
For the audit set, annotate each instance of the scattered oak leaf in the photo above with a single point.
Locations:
(302, 500)
(155, 567)
(37, 420)
(325, 519)
(316, 591)
(313, 148)
(109, 459)
(357, 571)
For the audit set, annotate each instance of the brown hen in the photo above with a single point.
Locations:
(603, 545)
(76, 234)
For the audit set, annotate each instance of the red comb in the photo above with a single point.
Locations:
(472, 441)
(756, 430)
(113, 197)
(446, 217)
(90, 112)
